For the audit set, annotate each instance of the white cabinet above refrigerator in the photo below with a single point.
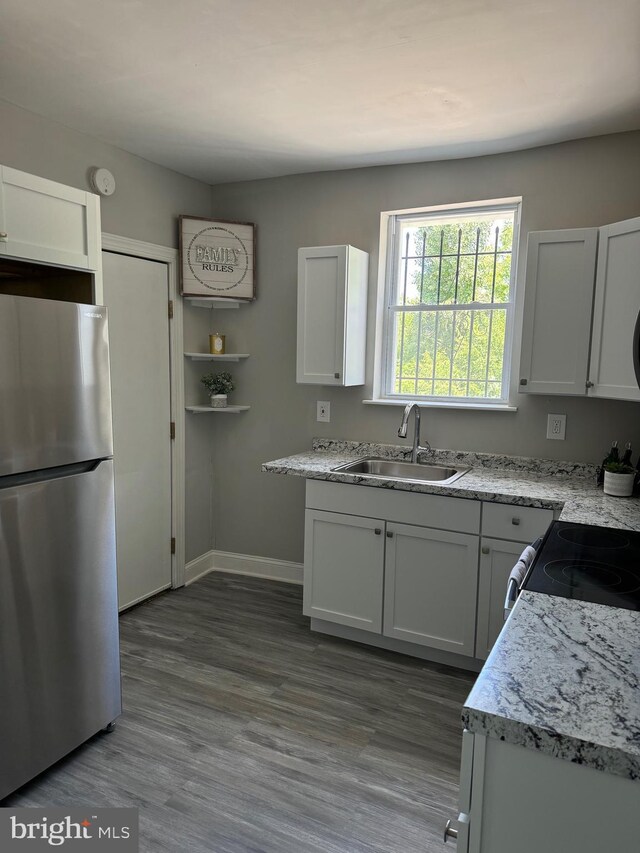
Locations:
(47, 222)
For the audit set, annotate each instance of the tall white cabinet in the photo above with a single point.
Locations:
(332, 315)
(47, 222)
(582, 301)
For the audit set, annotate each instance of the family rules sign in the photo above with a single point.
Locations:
(217, 258)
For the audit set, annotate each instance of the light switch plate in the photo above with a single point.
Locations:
(556, 426)
(323, 409)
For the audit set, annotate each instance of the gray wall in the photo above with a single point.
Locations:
(583, 183)
(145, 206)
(230, 504)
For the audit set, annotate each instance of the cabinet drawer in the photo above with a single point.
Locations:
(442, 512)
(518, 523)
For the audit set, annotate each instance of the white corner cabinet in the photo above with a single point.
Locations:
(332, 315)
(516, 798)
(47, 222)
(401, 569)
(582, 302)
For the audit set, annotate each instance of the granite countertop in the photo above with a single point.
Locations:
(566, 487)
(564, 678)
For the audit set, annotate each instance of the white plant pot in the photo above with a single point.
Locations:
(218, 401)
(620, 485)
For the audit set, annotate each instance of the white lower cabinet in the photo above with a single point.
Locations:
(497, 558)
(343, 569)
(430, 587)
(514, 798)
(407, 582)
(380, 561)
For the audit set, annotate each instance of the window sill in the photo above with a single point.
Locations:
(432, 404)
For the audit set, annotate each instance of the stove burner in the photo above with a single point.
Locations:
(591, 575)
(599, 538)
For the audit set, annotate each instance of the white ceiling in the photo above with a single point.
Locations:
(235, 89)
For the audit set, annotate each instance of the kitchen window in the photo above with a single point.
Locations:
(448, 308)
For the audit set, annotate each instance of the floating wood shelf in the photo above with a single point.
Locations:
(227, 356)
(229, 410)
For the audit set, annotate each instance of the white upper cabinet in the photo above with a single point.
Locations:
(615, 312)
(47, 222)
(332, 315)
(575, 343)
(557, 314)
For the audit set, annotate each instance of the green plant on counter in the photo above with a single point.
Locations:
(218, 383)
(618, 468)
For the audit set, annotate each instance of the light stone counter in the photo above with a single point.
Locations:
(564, 678)
(565, 486)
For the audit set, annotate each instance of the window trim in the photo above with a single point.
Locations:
(383, 338)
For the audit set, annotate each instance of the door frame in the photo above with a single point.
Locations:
(169, 257)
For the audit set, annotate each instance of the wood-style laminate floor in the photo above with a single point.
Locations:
(243, 731)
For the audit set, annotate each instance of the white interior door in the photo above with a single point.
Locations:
(136, 294)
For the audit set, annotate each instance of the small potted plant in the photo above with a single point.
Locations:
(618, 479)
(218, 385)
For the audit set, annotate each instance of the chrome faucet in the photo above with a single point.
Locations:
(402, 431)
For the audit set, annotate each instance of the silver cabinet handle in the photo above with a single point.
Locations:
(515, 520)
(3, 236)
(377, 531)
(449, 832)
(485, 549)
(389, 534)
(524, 381)
(336, 376)
(589, 384)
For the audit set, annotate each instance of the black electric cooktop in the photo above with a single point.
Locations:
(598, 564)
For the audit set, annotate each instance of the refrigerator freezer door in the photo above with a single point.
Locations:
(55, 397)
(59, 655)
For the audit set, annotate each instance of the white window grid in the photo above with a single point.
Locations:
(389, 349)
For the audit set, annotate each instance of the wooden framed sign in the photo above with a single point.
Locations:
(217, 258)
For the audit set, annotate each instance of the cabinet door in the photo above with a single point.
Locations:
(343, 569)
(431, 579)
(497, 558)
(616, 309)
(557, 314)
(322, 275)
(332, 315)
(47, 222)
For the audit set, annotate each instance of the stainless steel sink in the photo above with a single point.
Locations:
(395, 469)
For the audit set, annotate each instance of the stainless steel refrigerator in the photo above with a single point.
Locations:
(59, 655)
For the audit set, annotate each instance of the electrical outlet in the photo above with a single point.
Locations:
(323, 411)
(556, 426)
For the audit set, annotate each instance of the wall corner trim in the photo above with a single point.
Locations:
(243, 564)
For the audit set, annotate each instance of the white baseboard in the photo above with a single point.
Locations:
(243, 564)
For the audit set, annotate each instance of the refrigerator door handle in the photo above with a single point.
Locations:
(636, 349)
(43, 475)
